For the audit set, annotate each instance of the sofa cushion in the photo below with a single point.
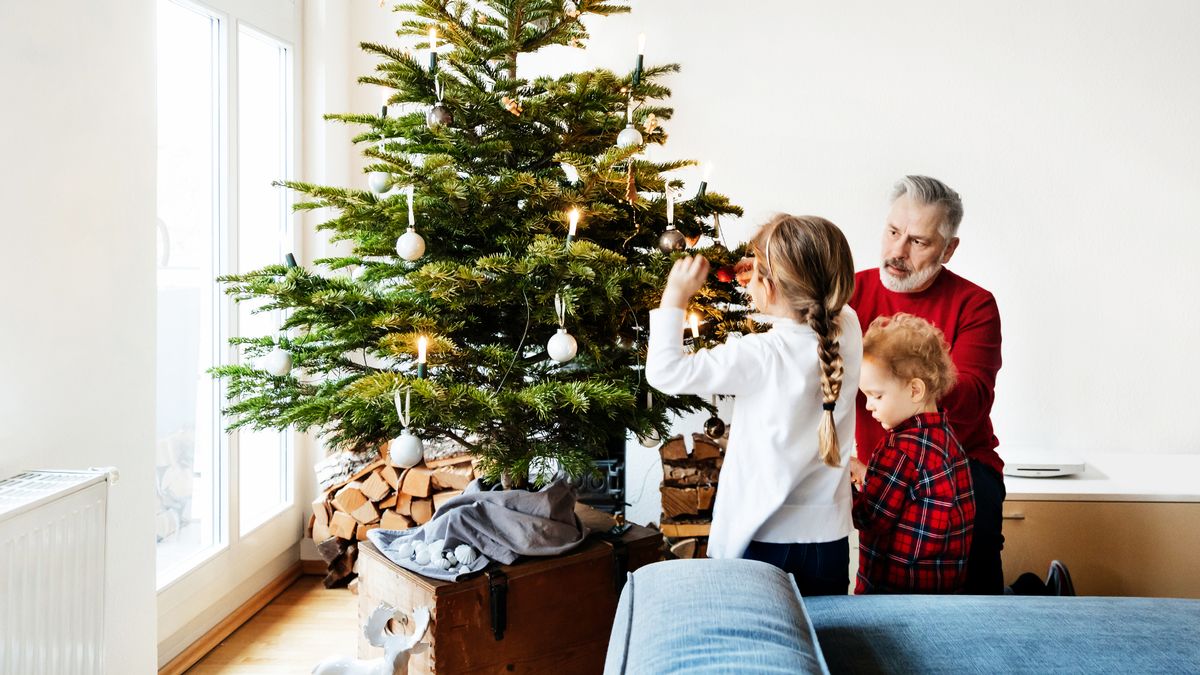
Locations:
(1006, 634)
(712, 616)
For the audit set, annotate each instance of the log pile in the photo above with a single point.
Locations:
(377, 495)
(689, 489)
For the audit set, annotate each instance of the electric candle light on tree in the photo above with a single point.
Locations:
(708, 169)
(432, 48)
(573, 216)
(694, 325)
(422, 348)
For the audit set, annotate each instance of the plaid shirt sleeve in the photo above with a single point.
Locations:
(887, 487)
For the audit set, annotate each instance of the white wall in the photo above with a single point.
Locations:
(1067, 127)
(77, 157)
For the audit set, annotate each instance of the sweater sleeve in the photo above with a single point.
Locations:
(976, 355)
(886, 489)
(735, 367)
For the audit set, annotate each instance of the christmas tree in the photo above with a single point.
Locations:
(504, 260)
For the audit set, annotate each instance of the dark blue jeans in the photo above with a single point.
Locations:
(819, 569)
(985, 572)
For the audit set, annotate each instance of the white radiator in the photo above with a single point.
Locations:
(52, 534)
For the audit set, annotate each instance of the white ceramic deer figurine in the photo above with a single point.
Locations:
(397, 648)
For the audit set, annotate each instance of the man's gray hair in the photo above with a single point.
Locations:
(931, 191)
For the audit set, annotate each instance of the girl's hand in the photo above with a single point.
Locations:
(687, 276)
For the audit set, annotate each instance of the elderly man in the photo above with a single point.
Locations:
(920, 237)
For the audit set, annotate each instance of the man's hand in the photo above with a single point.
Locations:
(858, 472)
(687, 276)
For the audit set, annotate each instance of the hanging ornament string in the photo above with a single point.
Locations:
(520, 344)
(560, 309)
(412, 220)
(404, 412)
(561, 347)
(437, 86)
(410, 245)
(637, 326)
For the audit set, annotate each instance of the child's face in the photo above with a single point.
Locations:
(890, 400)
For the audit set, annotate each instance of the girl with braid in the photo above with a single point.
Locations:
(785, 487)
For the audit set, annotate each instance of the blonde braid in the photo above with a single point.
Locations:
(814, 270)
(832, 368)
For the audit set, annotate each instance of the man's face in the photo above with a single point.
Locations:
(889, 400)
(913, 248)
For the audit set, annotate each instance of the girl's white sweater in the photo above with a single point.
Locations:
(773, 485)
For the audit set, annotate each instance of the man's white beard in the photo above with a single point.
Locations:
(909, 283)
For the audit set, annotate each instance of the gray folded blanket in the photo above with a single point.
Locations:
(499, 525)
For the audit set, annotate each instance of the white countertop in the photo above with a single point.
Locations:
(1117, 478)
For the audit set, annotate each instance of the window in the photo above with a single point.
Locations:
(187, 456)
(264, 130)
(225, 136)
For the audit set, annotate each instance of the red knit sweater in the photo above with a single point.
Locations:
(968, 316)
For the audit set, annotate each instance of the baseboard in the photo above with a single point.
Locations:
(207, 642)
(316, 568)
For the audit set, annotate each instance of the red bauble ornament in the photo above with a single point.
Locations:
(725, 274)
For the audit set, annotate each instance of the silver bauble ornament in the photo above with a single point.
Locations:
(406, 450)
(379, 182)
(277, 362)
(671, 240)
(438, 116)
(562, 346)
(410, 245)
(714, 427)
(629, 137)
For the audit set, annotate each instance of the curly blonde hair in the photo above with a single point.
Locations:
(911, 347)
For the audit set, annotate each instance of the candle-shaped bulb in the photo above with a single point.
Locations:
(574, 217)
(432, 48)
(707, 169)
(637, 71)
(422, 348)
(694, 324)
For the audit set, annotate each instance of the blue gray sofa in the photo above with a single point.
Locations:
(742, 616)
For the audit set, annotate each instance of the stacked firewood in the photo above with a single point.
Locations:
(689, 489)
(379, 495)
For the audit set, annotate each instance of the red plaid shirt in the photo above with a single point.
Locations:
(915, 511)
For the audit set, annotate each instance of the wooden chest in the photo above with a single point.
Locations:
(542, 615)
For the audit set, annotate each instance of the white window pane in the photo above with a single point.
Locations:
(264, 464)
(187, 456)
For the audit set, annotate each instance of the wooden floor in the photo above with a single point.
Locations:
(304, 625)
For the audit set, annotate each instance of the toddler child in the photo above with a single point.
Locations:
(914, 509)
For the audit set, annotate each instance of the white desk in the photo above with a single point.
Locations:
(1117, 478)
(1128, 525)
